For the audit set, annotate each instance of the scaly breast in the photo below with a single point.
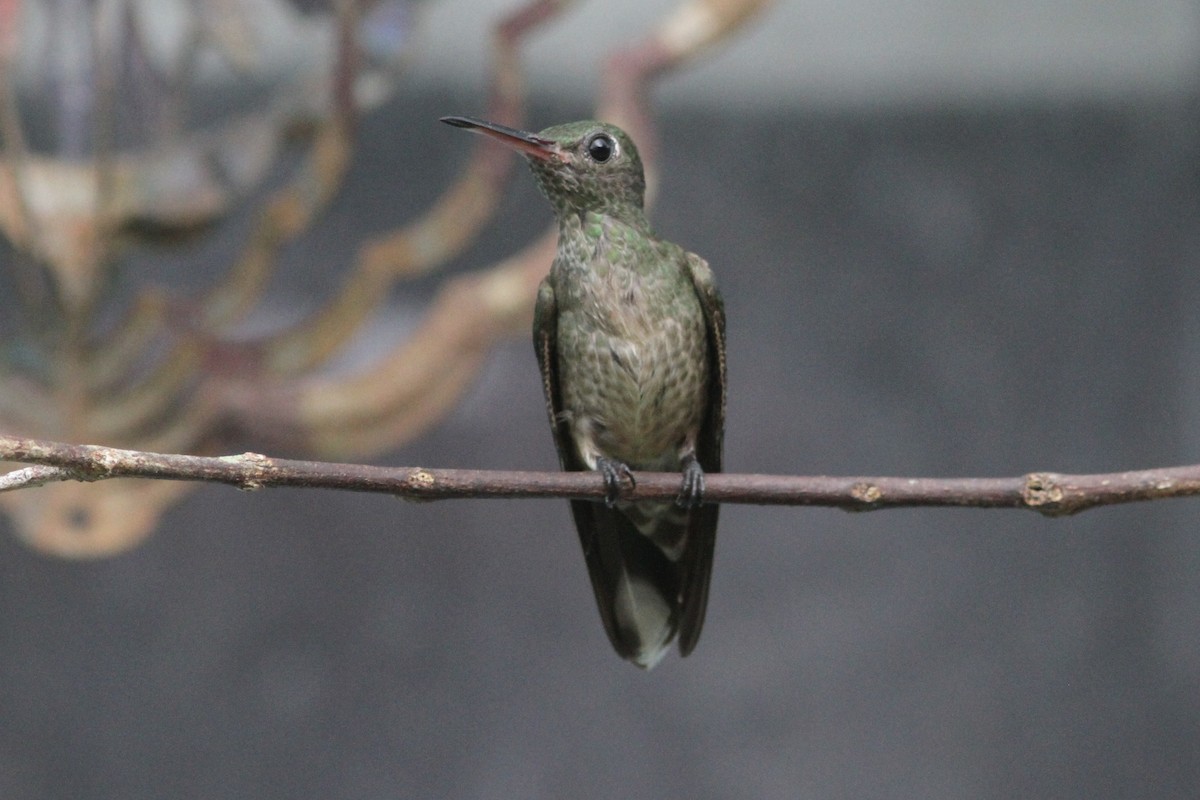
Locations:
(633, 366)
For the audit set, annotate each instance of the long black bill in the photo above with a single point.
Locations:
(522, 141)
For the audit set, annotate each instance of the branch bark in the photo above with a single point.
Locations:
(1048, 493)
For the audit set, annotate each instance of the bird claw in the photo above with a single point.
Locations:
(691, 495)
(613, 471)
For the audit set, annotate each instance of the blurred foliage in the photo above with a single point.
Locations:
(126, 123)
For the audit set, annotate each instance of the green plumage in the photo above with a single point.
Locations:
(630, 338)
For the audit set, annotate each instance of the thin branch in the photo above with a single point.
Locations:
(1048, 493)
(34, 476)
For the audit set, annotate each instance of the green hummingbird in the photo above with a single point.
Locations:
(629, 331)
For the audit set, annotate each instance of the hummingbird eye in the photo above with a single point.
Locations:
(601, 147)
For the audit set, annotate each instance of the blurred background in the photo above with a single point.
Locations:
(954, 238)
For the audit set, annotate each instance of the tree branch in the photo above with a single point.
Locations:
(1048, 493)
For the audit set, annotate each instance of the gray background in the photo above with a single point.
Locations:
(987, 281)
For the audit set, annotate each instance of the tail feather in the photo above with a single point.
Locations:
(641, 588)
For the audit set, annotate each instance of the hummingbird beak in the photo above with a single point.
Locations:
(528, 144)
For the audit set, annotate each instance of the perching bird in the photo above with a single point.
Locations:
(629, 331)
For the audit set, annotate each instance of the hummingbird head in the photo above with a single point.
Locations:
(579, 166)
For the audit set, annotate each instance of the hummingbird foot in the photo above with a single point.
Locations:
(613, 471)
(691, 495)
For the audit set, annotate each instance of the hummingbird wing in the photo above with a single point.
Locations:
(545, 346)
(621, 561)
(697, 558)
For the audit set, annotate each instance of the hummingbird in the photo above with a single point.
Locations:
(629, 332)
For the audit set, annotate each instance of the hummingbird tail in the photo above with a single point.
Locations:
(636, 585)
